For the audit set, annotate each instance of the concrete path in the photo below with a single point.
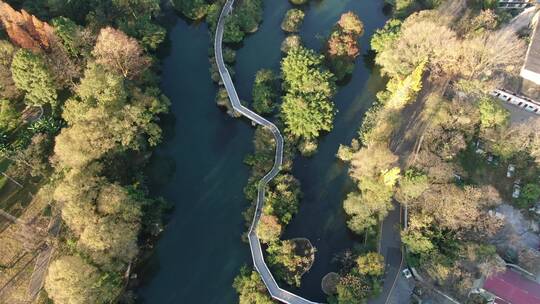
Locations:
(256, 251)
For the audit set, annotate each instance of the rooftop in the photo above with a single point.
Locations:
(513, 288)
(532, 60)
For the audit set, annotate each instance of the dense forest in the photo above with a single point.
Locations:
(89, 69)
(430, 162)
(80, 108)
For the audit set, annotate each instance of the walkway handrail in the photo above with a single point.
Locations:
(255, 246)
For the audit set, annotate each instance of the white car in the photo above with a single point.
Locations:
(406, 273)
(511, 170)
(516, 190)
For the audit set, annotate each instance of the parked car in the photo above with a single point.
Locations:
(511, 170)
(516, 190)
(479, 145)
(492, 159)
(406, 273)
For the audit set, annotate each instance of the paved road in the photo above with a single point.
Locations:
(256, 251)
(390, 248)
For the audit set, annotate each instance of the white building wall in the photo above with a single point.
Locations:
(530, 75)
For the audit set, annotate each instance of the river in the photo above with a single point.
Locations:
(199, 166)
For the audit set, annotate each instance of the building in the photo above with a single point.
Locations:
(510, 287)
(511, 4)
(531, 67)
(517, 100)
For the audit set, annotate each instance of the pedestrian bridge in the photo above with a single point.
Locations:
(275, 291)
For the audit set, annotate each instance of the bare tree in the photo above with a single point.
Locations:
(120, 52)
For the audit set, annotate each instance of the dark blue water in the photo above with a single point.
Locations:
(199, 167)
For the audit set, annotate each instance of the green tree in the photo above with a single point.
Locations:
(9, 117)
(265, 91)
(31, 75)
(288, 265)
(283, 197)
(99, 87)
(371, 264)
(232, 32)
(492, 113)
(412, 185)
(307, 107)
(383, 38)
(529, 195)
(33, 160)
(250, 288)
(69, 34)
(193, 9)
(417, 242)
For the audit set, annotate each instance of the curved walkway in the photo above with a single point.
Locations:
(256, 251)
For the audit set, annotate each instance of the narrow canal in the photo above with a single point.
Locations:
(199, 166)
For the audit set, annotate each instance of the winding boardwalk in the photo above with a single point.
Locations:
(256, 251)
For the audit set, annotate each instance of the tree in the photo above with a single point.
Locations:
(492, 113)
(72, 280)
(265, 91)
(8, 89)
(342, 45)
(70, 36)
(417, 42)
(32, 76)
(193, 9)
(250, 288)
(269, 228)
(412, 185)
(111, 242)
(371, 162)
(529, 196)
(383, 38)
(283, 198)
(287, 263)
(33, 160)
(453, 207)
(351, 24)
(293, 20)
(232, 33)
(352, 289)
(306, 118)
(303, 73)
(120, 53)
(416, 242)
(485, 55)
(307, 107)
(99, 87)
(249, 15)
(290, 42)
(83, 142)
(371, 264)
(95, 131)
(9, 117)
